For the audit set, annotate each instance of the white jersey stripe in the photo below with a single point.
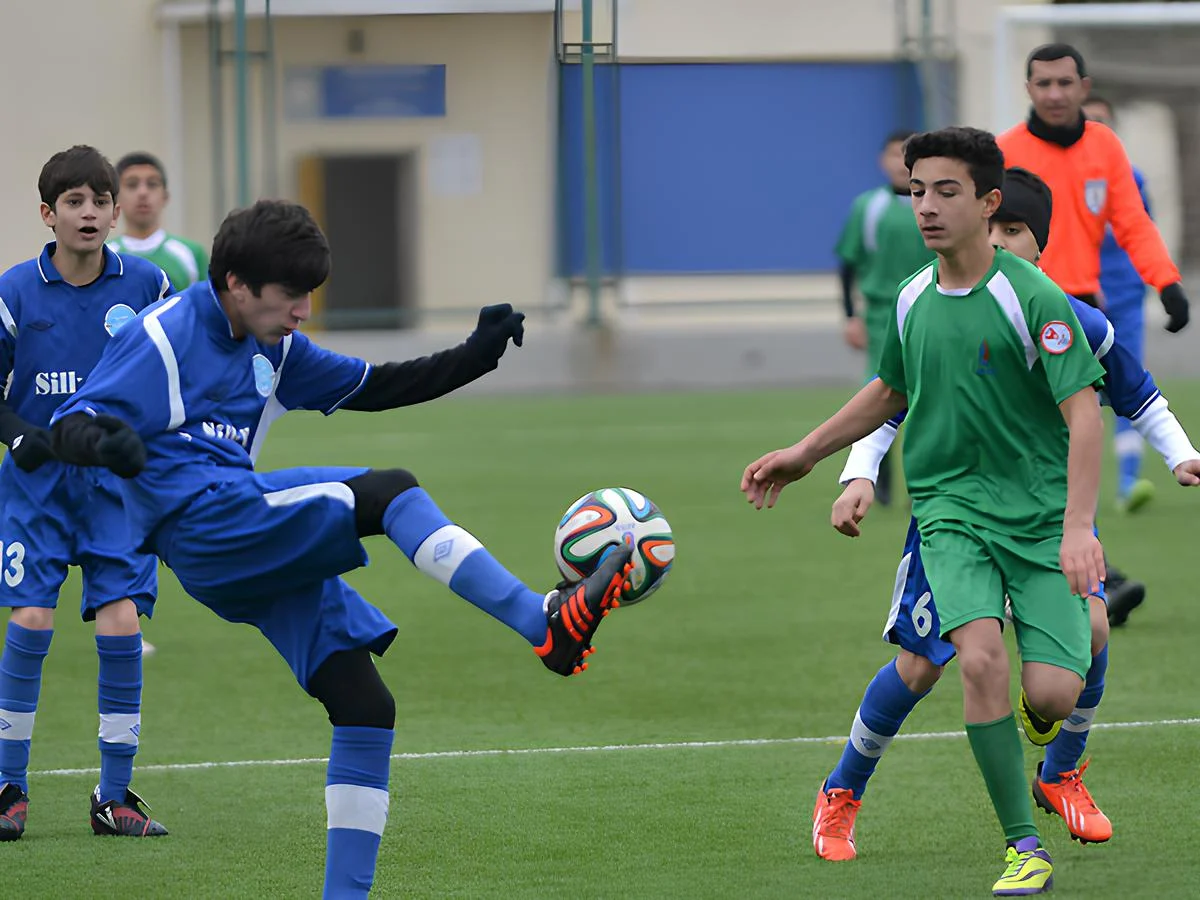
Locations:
(159, 336)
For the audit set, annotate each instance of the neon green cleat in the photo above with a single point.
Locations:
(1028, 872)
(1038, 730)
(1139, 495)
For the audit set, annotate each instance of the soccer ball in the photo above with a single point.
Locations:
(597, 523)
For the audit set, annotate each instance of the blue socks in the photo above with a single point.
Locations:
(447, 553)
(356, 799)
(120, 704)
(1128, 445)
(1063, 753)
(885, 705)
(20, 684)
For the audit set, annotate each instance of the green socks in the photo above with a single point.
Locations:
(997, 749)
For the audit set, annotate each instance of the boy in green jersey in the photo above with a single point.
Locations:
(1004, 471)
(880, 246)
(144, 195)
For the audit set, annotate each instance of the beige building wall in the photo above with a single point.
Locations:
(73, 72)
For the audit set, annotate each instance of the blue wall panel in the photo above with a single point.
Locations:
(735, 167)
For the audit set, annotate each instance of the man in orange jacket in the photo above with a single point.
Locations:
(1092, 182)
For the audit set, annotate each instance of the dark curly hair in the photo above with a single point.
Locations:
(271, 242)
(977, 149)
(80, 165)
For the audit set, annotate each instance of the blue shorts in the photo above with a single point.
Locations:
(266, 550)
(913, 622)
(61, 516)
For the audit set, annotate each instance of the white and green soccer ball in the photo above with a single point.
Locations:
(599, 522)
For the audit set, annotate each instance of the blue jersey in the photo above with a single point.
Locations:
(1119, 280)
(201, 399)
(1128, 387)
(54, 332)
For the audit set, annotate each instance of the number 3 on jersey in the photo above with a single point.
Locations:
(13, 556)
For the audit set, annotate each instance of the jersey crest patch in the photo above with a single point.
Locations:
(118, 317)
(264, 375)
(1057, 337)
(1095, 195)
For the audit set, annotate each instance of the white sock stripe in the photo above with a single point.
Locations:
(356, 807)
(867, 742)
(1128, 443)
(440, 554)
(120, 728)
(16, 726)
(1080, 720)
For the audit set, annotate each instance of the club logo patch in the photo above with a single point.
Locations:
(1057, 337)
(117, 318)
(1095, 195)
(264, 375)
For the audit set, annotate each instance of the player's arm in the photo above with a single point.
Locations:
(29, 445)
(1138, 236)
(1080, 555)
(319, 379)
(851, 252)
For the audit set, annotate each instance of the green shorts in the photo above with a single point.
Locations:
(970, 571)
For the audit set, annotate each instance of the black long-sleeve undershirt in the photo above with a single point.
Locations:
(846, 274)
(395, 384)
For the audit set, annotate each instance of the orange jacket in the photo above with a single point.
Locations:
(1092, 183)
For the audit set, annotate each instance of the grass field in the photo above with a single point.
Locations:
(768, 628)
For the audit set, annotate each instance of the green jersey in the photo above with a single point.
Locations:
(985, 370)
(184, 261)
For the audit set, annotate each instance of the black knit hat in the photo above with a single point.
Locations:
(1025, 198)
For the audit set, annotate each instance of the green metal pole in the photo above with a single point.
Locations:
(216, 88)
(270, 102)
(591, 212)
(243, 112)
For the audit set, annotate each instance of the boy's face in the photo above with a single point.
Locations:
(1057, 91)
(948, 212)
(272, 315)
(891, 160)
(1016, 238)
(143, 196)
(81, 219)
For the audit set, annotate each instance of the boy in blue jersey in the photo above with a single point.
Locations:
(180, 406)
(59, 311)
(1125, 305)
(1021, 226)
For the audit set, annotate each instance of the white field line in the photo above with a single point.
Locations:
(600, 748)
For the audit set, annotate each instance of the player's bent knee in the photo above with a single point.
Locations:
(918, 673)
(352, 691)
(373, 492)
(35, 618)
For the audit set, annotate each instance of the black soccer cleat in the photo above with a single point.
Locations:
(573, 613)
(14, 805)
(125, 819)
(1124, 596)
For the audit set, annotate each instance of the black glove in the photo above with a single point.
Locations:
(1175, 302)
(496, 325)
(31, 449)
(119, 449)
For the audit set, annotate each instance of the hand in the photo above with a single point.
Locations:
(119, 449)
(1082, 560)
(768, 475)
(855, 333)
(1187, 472)
(850, 508)
(496, 325)
(1175, 302)
(31, 449)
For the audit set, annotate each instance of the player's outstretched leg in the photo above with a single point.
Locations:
(390, 502)
(885, 705)
(363, 715)
(1133, 491)
(25, 650)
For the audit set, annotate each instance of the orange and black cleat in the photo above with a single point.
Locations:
(574, 613)
(127, 819)
(14, 806)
